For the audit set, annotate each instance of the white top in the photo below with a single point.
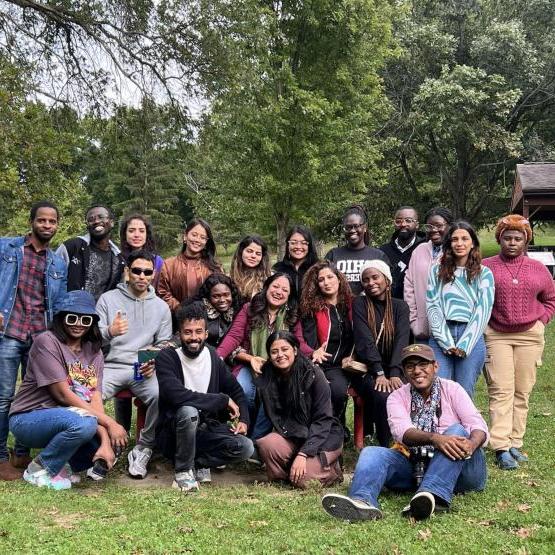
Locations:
(196, 371)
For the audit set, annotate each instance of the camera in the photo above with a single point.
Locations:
(420, 459)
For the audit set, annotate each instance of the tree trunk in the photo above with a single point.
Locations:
(282, 224)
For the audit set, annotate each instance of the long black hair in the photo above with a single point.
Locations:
(208, 253)
(312, 255)
(258, 308)
(448, 262)
(150, 243)
(92, 335)
(297, 376)
(220, 279)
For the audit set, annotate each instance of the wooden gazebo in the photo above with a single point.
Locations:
(534, 191)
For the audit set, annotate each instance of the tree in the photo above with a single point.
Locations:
(36, 159)
(137, 161)
(473, 91)
(290, 134)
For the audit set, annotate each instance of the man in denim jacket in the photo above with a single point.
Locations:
(33, 281)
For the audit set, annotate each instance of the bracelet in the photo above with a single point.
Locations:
(303, 455)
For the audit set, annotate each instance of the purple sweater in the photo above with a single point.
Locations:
(518, 306)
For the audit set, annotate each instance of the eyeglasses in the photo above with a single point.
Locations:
(139, 271)
(428, 227)
(401, 221)
(84, 320)
(352, 227)
(297, 243)
(94, 219)
(412, 367)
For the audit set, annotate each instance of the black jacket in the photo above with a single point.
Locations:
(76, 252)
(297, 276)
(323, 432)
(211, 405)
(365, 345)
(399, 262)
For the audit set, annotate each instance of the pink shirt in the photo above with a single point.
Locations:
(456, 408)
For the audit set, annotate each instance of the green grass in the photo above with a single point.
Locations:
(515, 514)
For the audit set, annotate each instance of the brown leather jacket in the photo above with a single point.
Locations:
(181, 278)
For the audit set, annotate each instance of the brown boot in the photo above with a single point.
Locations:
(8, 472)
(19, 461)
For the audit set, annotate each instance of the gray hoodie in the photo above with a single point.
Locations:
(149, 318)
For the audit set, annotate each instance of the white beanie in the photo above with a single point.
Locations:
(379, 265)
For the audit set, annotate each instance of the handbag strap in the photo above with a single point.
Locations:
(377, 340)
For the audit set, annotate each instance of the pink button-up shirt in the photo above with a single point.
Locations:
(456, 408)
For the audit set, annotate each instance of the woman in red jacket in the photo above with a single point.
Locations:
(327, 326)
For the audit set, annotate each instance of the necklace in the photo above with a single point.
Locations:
(515, 277)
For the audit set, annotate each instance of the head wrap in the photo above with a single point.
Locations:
(379, 265)
(513, 222)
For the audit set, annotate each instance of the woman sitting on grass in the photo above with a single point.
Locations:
(58, 407)
(307, 440)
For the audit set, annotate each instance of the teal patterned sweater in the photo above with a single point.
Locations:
(459, 301)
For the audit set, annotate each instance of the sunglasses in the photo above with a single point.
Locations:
(84, 320)
(139, 271)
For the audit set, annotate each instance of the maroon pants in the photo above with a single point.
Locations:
(278, 454)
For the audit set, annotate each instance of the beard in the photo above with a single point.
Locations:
(406, 234)
(190, 353)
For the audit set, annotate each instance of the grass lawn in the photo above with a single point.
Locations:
(515, 514)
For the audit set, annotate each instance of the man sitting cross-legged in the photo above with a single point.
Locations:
(429, 415)
(198, 395)
(133, 318)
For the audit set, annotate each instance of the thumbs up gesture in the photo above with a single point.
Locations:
(119, 326)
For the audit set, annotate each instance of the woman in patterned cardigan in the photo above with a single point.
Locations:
(459, 300)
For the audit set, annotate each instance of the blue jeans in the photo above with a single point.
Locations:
(64, 435)
(464, 371)
(378, 467)
(13, 353)
(260, 423)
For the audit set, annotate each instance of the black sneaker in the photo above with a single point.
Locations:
(422, 505)
(345, 508)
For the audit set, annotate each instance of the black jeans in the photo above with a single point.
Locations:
(206, 444)
(339, 383)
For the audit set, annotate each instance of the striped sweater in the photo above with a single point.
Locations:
(459, 301)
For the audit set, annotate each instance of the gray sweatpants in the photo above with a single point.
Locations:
(116, 379)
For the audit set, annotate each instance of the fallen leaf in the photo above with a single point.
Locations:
(524, 508)
(486, 522)
(503, 504)
(185, 530)
(524, 532)
(255, 523)
(533, 484)
(424, 534)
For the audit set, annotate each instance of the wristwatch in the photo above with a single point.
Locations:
(379, 373)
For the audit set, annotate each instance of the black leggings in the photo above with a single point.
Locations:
(375, 408)
(339, 383)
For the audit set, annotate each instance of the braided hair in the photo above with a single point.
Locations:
(360, 211)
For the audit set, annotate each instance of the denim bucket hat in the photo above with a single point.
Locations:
(79, 302)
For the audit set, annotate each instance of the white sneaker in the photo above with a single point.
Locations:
(203, 475)
(346, 508)
(42, 479)
(185, 481)
(422, 505)
(138, 459)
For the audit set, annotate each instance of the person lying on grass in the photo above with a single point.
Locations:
(58, 406)
(438, 435)
(304, 439)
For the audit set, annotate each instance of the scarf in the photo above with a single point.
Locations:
(260, 334)
(423, 413)
(213, 314)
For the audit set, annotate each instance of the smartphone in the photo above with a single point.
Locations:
(147, 354)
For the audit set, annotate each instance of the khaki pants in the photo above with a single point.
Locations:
(512, 359)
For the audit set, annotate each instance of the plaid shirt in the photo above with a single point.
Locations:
(27, 317)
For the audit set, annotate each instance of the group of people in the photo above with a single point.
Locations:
(256, 365)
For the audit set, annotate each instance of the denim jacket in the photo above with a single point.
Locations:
(11, 259)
